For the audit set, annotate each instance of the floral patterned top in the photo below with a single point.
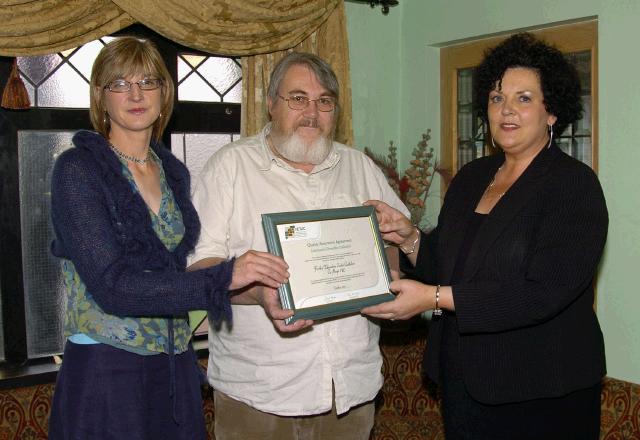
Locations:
(141, 335)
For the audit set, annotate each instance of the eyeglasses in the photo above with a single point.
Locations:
(298, 102)
(122, 85)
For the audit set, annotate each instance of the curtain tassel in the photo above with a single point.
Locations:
(15, 94)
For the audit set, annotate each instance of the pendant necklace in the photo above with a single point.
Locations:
(493, 182)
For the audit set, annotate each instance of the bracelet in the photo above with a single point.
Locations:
(413, 245)
(437, 311)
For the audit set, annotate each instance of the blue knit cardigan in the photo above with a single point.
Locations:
(103, 226)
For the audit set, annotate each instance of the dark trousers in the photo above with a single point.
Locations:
(575, 416)
(106, 393)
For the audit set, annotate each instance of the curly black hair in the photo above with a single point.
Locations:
(559, 80)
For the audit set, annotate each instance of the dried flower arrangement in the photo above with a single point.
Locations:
(413, 186)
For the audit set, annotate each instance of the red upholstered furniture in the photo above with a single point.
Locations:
(407, 409)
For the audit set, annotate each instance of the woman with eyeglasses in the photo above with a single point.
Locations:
(124, 225)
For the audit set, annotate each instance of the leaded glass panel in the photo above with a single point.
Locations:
(473, 133)
(42, 277)
(209, 79)
(186, 64)
(60, 80)
(470, 127)
(64, 88)
(37, 68)
(194, 88)
(194, 149)
(234, 94)
(83, 58)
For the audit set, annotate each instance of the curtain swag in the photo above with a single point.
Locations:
(260, 31)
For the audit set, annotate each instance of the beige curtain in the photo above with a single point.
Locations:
(232, 27)
(48, 26)
(225, 27)
(256, 29)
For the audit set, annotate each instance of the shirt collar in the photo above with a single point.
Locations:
(269, 159)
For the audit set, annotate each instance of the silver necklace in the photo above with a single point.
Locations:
(493, 182)
(121, 155)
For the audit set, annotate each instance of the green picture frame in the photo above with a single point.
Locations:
(336, 257)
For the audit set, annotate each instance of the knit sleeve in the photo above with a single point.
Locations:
(83, 220)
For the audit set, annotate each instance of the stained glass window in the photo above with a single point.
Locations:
(206, 117)
(62, 79)
(194, 149)
(209, 78)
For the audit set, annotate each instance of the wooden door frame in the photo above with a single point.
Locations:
(575, 37)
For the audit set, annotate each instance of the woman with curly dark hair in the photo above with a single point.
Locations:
(514, 342)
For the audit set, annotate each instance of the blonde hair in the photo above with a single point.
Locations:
(126, 57)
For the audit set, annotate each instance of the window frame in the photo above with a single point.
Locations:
(574, 37)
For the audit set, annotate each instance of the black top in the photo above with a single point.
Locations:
(450, 356)
(524, 294)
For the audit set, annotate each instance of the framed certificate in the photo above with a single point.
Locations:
(336, 257)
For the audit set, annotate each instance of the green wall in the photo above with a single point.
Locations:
(395, 79)
(375, 69)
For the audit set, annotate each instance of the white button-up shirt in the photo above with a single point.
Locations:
(288, 375)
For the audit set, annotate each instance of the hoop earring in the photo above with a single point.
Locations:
(550, 135)
(493, 143)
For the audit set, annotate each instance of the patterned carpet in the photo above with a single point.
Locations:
(407, 408)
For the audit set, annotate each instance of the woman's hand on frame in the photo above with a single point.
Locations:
(412, 298)
(258, 267)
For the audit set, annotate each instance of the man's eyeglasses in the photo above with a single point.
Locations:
(122, 85)
(298, 102)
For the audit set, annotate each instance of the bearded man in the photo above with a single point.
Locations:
(307, 380)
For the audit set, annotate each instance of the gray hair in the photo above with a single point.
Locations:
(325, 75)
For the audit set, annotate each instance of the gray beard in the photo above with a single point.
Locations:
(295, 149)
